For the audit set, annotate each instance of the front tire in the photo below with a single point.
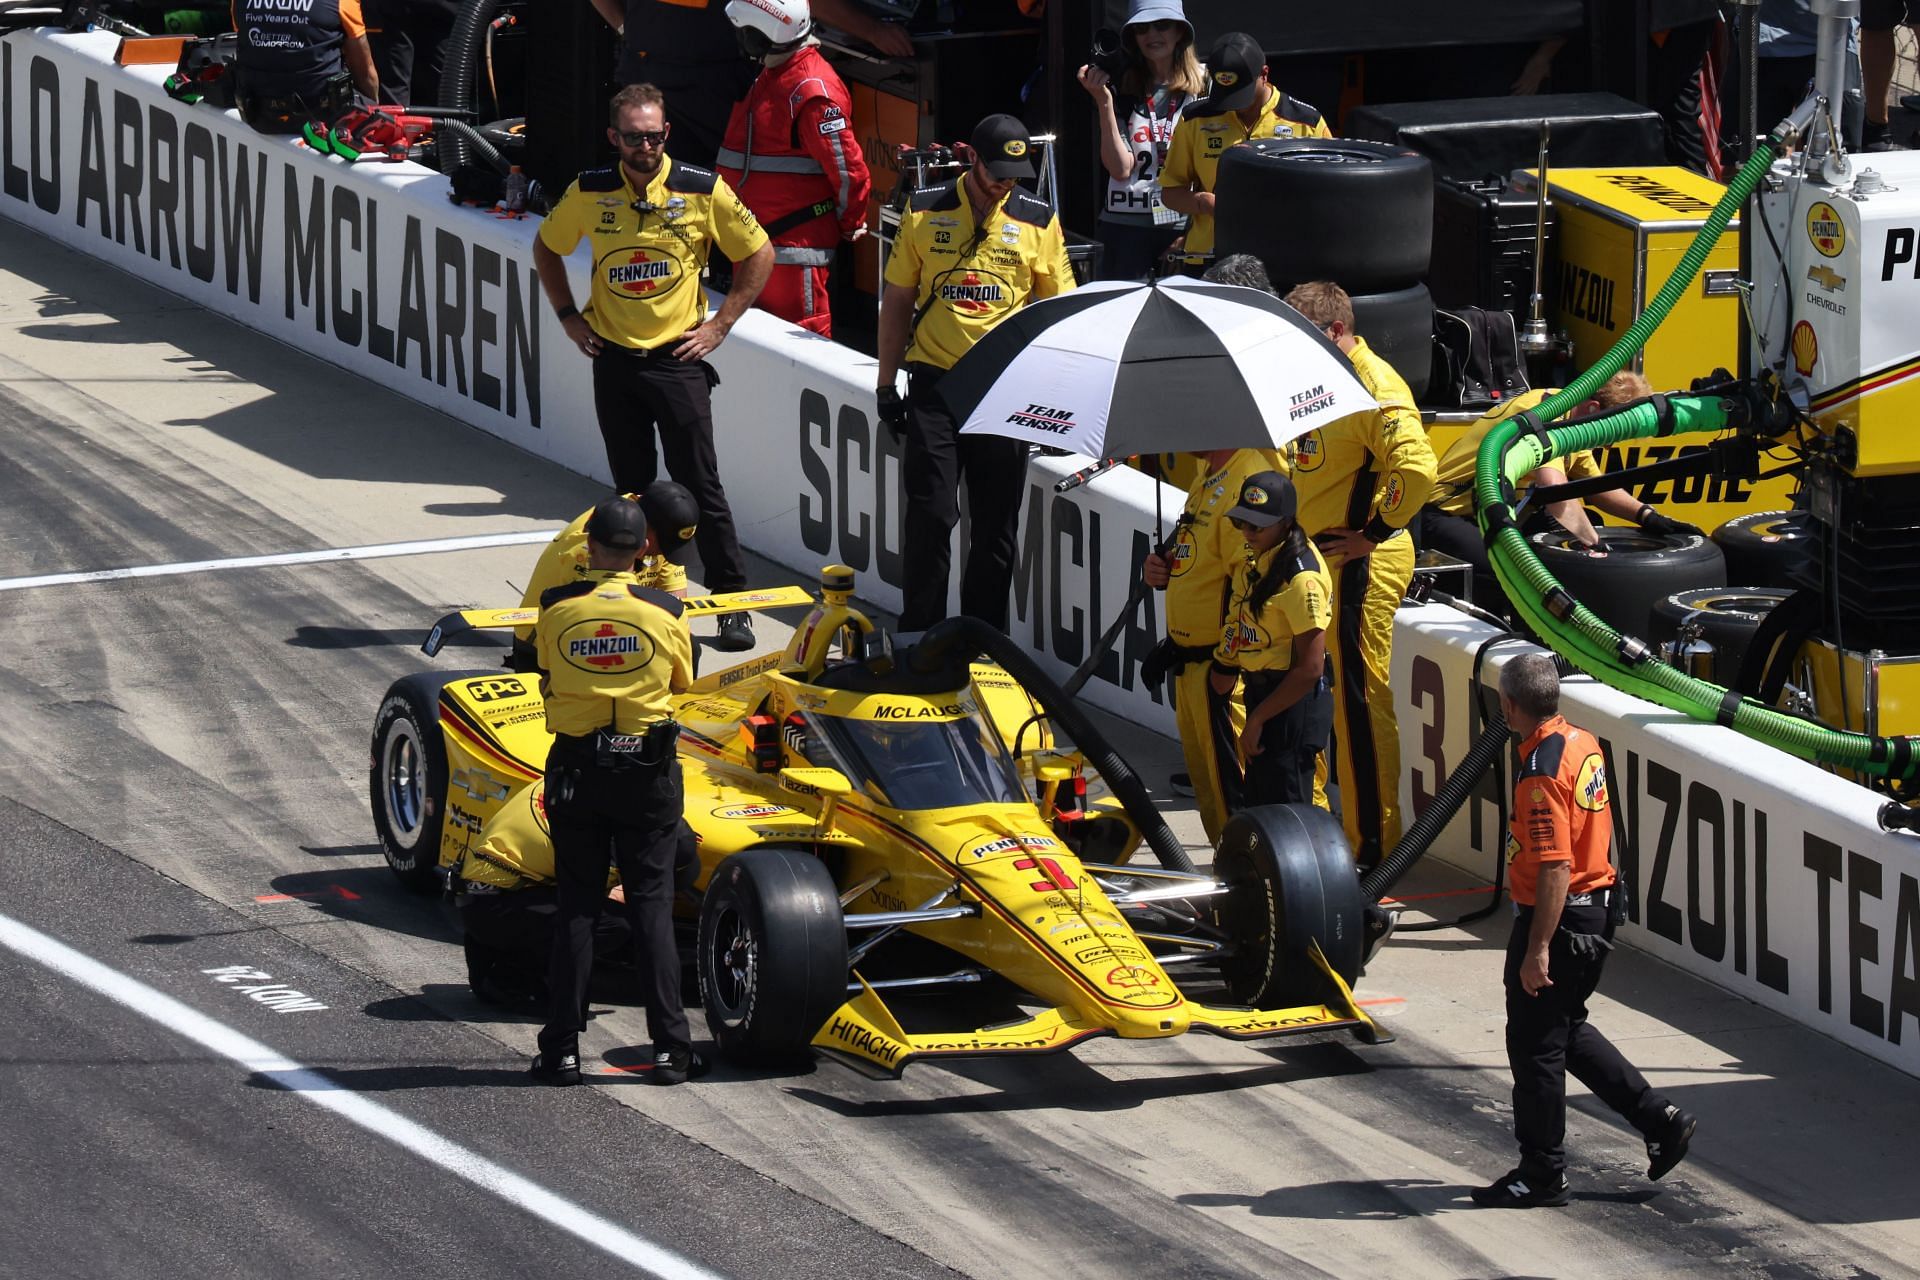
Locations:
(1291, 882)
(407, 778)
(772, 954)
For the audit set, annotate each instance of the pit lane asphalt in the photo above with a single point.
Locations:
(213, 729)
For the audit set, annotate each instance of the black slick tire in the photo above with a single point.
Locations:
(772, 955)
(1398, 326)
(1638, 571)
(1727, 618)
(1357, 213)
(407, 776)
(1291, 882)
(1764, 548)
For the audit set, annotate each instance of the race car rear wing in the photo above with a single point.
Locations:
(728, 602)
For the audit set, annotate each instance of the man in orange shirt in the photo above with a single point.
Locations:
(1560, 871)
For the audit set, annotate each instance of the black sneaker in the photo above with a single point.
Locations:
(560, 1069)
(735, 634)
(1518, 1190)
(1878, 137)
(677, 1066)
(1670, 1148)
(1181, 784)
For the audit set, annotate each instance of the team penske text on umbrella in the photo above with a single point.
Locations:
(1117, 369)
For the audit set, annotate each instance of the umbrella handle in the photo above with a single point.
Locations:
(1084, 672)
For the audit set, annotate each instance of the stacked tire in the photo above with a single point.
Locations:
(1726, 618)
(1631, 571)
(1357, 213)
(1766, 548)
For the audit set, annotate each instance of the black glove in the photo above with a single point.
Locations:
(1586, 946)
(893, 411)
(1153, 667)
(1653, 522)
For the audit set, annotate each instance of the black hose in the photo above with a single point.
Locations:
(463, 135)
(1433, 819)
(456, 80)
(954, 641)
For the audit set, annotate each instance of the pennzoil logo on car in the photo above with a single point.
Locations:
(753, 810)
(1012, 844)
(605, 646)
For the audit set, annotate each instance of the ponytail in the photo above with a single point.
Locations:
(1289, 557)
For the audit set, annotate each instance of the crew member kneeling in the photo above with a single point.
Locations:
(611, 654)
(1275, 639)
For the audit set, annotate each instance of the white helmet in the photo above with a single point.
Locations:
(769, 26)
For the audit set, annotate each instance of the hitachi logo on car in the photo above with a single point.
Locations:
(602, 646)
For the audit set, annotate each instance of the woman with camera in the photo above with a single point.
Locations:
(1138, 82)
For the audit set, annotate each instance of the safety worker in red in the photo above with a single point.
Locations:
(792, 155)
(1241, 104)
(1361, 480)
(1560, 869)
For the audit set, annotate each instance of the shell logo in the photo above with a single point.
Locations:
(1132, 977)
(1825, 230)
(1806, 348)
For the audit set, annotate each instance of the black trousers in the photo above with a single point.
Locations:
(409, 41)
(633, 394)
(600, 818)
(937, 459)
(1548, 1035)
(508, 937)
(1290, 743)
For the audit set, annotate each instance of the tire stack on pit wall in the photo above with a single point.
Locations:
(1357, 213)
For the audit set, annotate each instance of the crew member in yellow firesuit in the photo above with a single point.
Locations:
(672, 516)
(1241, 104)
(1194, 574)
(1275, 644)
(1361, 480)
(612, 653)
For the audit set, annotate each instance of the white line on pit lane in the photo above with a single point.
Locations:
(287, 1074)
(378, 551)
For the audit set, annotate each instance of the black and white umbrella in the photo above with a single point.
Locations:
(1115, 369)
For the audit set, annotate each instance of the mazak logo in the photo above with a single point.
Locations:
(602, 645)
(1302, 403)
(645, 273)
(975, 295)
(1040, 417)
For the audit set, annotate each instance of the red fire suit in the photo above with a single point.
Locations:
(791, 154)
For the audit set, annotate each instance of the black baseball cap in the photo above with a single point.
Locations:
(1001, 143)
(1266, 499)
(1233, 69)
(618, 524)
(672, 514)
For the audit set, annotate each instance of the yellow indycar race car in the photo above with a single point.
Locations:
(872, 822)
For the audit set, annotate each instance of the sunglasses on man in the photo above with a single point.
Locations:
(644, 137)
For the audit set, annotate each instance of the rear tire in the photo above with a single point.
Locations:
(1357, 213)
(1764, 548)
(1727, 618)
(407, 779)
(1291, 882)
(1638, 571)
(772, 955)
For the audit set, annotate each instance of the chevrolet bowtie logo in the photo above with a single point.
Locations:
(1827, 278)
(480, 784)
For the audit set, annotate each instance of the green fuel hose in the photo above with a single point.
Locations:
(1514, 448)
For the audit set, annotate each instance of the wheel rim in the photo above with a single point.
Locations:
(403, 782)
(734, 962)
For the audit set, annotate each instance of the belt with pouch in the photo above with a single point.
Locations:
(650, 746)
(1596, 898)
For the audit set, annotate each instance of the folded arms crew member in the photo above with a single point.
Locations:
(1194, 572)
(1447, 523)
(1360, 482)
(1241, 104)
(299, 63)
(1563, 883)
(612, 653)
(672, 516)
(1275, 642)
(651, 223)
(969, 253)
(791, 153)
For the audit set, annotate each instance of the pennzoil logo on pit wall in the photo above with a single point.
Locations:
(1825, 230)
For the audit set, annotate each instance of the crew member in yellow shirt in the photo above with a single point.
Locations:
(1194, 574)
(652, 223)
(1241, 104)
(969, 254)
(1274, 645)
(612, 654)
(1361, 481)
